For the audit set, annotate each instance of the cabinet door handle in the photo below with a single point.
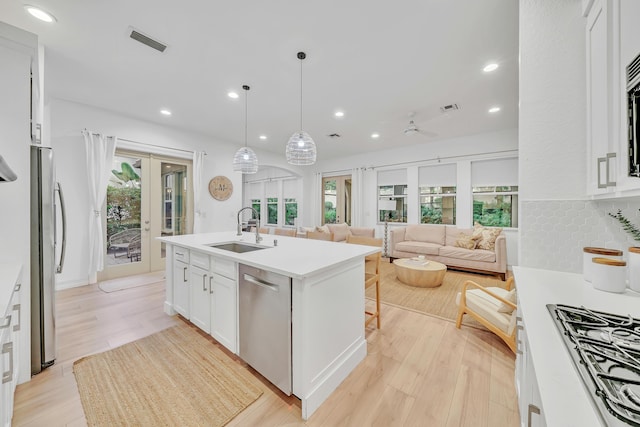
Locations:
(602, 160)
(8, 375)
(184, 274)
(533, 409)
(204, 282)
(18, 308)
(7, 322)
(210, 285)
(609, 157)
(17, 287)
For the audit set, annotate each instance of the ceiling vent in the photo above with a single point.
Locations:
(450, 107)
(334, 135)
(146, 40)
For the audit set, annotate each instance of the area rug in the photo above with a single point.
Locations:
(175, 377)
(439, 301)
(129, 282)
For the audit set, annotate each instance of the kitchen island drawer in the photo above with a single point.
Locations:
(200, 260)
(180, 254)
(224, 267)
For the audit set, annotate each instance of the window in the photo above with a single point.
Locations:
(392, 203)
(272, 211)
(496, 206)
(255, 204)
(438, 205)
(392, 195)
(290, 211)
(494, 185)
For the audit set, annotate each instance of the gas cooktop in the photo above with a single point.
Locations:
(605, 349)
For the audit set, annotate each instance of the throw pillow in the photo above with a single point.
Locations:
(466, 241)
(323, 229)
(511, 297)
(486, 236)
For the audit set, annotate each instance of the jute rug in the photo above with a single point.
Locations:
(129, 282)
(172, 378)
(439, 301)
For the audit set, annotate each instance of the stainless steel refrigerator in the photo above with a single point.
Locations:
(44, 267)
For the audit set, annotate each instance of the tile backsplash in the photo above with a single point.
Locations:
(553, 232)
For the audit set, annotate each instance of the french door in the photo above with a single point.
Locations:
(336, 199)
(148, 196)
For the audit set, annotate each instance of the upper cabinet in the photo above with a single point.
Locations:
(612, 42)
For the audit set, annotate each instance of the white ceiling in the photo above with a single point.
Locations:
(375, 60)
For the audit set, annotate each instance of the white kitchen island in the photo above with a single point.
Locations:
(327, 300)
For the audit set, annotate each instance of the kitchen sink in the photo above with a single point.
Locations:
(237, 247)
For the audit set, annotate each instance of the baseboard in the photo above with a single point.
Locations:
(70, 284)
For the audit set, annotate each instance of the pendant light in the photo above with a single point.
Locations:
(245, 160)
(301, 150)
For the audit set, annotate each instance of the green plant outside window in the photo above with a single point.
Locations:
(438, 205)
(272, 210)
(290, 211)
(496, 206)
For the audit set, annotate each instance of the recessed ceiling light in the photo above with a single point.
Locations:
(490, 67)
(233, 95)
(339, 114)
(494, 109)
(263, 137)
(165, 112)
(39, 13)
(375, 135)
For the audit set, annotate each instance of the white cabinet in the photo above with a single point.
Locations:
(180, 279)
(602, 93)
(612, 42)
(10, 333)
(224, 303)
(207, 290)
(200, 282)
(529, 402)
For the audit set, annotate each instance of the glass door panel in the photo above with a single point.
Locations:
(336, 199)
(126, 240)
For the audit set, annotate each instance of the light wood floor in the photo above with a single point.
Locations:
(419, 371)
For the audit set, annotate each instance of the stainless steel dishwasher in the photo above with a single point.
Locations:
(265, 324)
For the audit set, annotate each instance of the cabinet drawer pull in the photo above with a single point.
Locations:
(8, 375)
(17, 287)
(18, 308)
(210, 285)
(533, 409)
(184, 274)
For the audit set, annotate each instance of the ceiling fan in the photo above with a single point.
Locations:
(412, 128)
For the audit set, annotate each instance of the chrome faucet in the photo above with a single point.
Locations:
(257, 215)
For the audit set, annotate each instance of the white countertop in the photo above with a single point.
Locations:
(9, 276)
(293, 256)
(565, 401)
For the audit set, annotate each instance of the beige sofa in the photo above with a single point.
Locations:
(438, 243)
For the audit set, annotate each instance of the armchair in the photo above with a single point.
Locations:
(493, 307)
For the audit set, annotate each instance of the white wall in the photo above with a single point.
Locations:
(67, 121)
